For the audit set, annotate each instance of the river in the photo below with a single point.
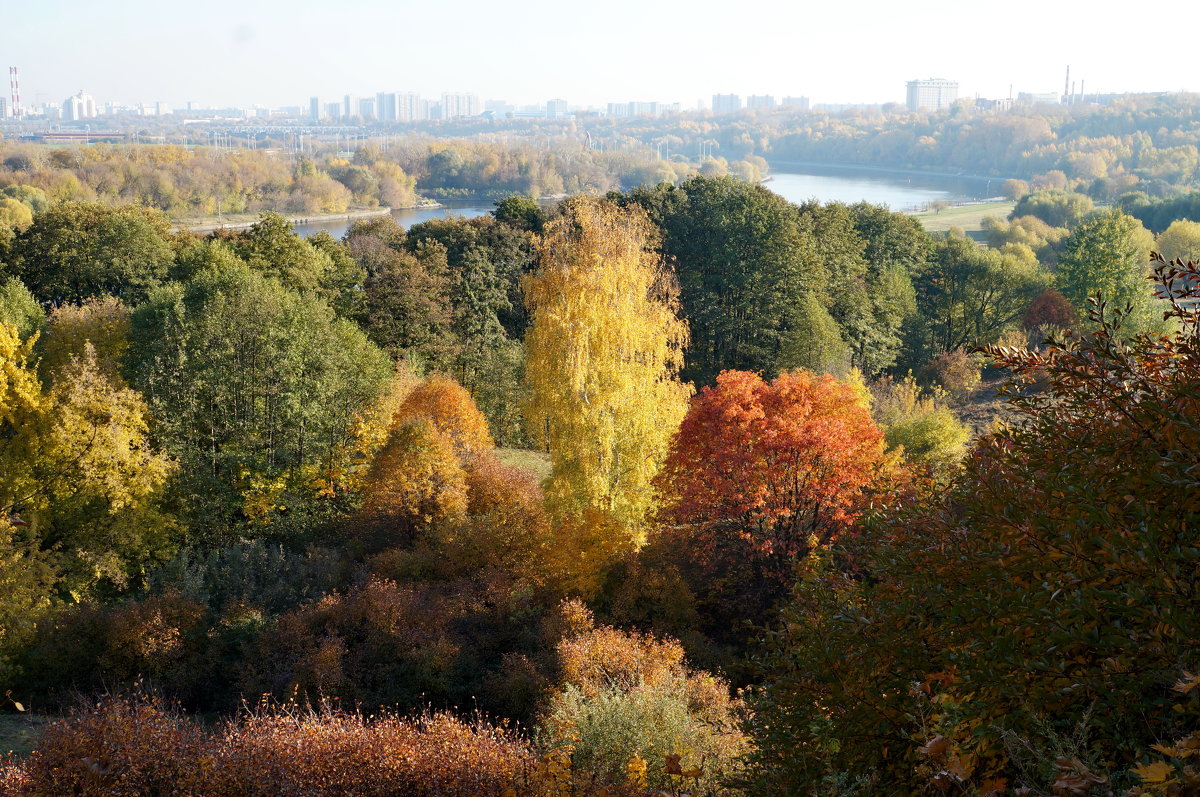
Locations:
(901, 191)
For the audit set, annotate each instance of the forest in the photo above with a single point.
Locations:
(672, 487)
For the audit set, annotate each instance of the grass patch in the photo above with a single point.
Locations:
(968, 217)
(537, 463)
(19, 733)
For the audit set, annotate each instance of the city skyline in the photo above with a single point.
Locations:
(278, 53)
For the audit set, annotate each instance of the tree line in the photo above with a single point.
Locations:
(252, 463)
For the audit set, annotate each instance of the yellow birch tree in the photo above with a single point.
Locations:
(604, 354)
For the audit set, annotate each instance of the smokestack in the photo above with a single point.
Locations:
(1072, 92)
(1067, 84)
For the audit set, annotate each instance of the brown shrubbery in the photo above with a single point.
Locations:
(137, 745)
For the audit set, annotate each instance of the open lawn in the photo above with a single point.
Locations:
(968, 217)
(19, 733)
(536, 462)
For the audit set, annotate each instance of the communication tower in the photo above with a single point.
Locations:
(14, 84)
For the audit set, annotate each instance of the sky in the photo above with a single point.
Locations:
(274, 53)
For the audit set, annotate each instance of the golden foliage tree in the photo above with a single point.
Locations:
(415, 484)
(104, 322)
(450, 408)
(604, 354)
(78, 465)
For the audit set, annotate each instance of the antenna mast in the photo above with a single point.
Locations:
(14, 84)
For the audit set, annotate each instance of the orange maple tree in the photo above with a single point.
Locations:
(760, 474)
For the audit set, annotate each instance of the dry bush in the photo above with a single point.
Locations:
(90, 647)
(291, 750)
(116, 747)
(955, 371)
(137, 745)
(1050, 308)
(402, 645)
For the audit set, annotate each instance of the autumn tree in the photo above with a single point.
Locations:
(102, 322)
(1047, 590)
(100, 479)
(450, 408)
(604, 354)
(80, 469)
(760, 474)
(416, 484)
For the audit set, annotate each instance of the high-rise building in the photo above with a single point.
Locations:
(557, 109)
(366, 108)
(409, 107)
(760, 101)
(386, 106)
(726, 103)
(80, 106)
(796, 102)
(4, 108)
(333, 110)
(618, 109)
(456, 105)
(314, 109)
(933, 94)
(349, 106)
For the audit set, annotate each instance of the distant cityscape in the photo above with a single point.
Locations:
(931, 94)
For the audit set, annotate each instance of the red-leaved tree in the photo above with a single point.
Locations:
(760, 474)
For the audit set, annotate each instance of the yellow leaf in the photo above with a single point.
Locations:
(1158, 772)
(1188, 683)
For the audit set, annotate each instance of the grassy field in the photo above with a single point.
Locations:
(235, 220)
(536, 462)
(19, 733)
(968, 217)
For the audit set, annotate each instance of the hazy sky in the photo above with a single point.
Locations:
(281, 52)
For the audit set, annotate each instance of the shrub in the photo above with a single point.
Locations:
(1049, 308)
(626, 697)
(297, 751)
(919, 423)
(384, 643)
(954, 371)
(137, 745)
(119, 745)
(88, 647)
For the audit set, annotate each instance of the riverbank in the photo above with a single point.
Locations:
(861, 167)
(243, 221)
(968, 216)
